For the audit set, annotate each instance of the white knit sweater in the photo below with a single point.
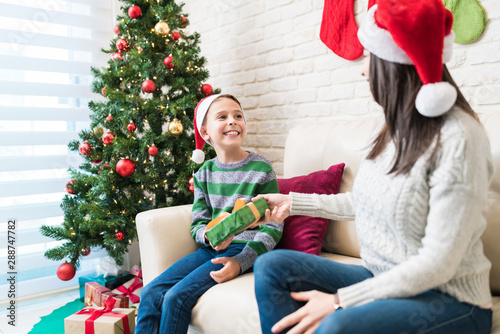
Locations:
(421, 230)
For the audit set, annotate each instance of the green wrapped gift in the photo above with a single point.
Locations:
(241, 218)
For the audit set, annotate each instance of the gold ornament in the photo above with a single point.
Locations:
(175, 127)
(98, 131)
(162, 28)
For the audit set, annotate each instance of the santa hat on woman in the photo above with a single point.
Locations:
(416, 33)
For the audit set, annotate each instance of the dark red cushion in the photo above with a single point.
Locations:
(304, 233)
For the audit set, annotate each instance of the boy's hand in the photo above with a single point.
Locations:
(230, 270)
(224, 244)
(280, 206)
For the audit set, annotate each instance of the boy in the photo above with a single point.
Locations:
(167, 301)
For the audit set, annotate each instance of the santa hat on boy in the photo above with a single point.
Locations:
(199, 115)
(416, 33)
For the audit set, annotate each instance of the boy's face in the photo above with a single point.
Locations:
(224, 124)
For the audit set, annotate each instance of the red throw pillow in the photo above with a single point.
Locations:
(304, 233)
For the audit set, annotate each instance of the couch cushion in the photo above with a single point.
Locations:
(302, 233)
(319, 145)
(229, 307)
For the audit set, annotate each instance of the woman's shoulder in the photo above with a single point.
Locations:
(461, 126)
(463, 138)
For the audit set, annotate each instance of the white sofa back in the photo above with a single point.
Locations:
(318, 146)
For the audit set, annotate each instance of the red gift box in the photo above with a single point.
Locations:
(136, 271)
(93, 293)
(121, 301)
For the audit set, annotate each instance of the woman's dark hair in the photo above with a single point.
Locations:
(395, 87)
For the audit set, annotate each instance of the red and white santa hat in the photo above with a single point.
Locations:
(199, 115)
(416, 33)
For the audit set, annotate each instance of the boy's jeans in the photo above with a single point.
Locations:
(279, 272)
(167, 301)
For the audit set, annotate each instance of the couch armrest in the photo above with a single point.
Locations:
(164, 237)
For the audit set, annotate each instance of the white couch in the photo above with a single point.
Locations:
(231, 308)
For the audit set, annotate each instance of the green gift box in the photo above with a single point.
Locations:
(235, 222)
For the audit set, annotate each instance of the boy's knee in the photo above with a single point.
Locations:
(146, 291)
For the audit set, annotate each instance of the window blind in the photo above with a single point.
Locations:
(46, 50)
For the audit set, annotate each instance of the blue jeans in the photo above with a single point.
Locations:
(167, 301)
(279, 272)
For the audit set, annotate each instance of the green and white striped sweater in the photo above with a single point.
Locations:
(216, 188)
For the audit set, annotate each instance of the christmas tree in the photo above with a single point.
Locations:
(137, 150)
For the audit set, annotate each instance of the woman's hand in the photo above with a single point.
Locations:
(230, 270)
(307, 318)
(280, 206)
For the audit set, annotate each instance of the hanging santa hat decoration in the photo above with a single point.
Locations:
(415, 33)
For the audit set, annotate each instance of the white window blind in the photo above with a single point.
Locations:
(46, 50)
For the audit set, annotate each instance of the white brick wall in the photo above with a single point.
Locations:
(269, 55)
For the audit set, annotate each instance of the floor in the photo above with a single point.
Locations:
(29, 312)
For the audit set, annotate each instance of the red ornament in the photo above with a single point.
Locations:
(153, 150)
(134, 12)
(116, 29)
(97, 161)
(117, 56)
(125, 167)
(85, 251)
(103, 91)
(119, 236)
(206, 89)
(109, 118)
(66, 271)
(183, 20)
(168, 62)
(148, 86)
(122, 44)
(131, 127)
(191, 184)
(108, 138)
(176, 36)
(85, 148)
(68, 189)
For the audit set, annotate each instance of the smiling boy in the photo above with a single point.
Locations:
(167, 301)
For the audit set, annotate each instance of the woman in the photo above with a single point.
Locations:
(417, 200)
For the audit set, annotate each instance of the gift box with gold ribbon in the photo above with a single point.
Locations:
(242, 217)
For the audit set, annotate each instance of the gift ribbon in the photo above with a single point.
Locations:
(128, 292)
(106, 311)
